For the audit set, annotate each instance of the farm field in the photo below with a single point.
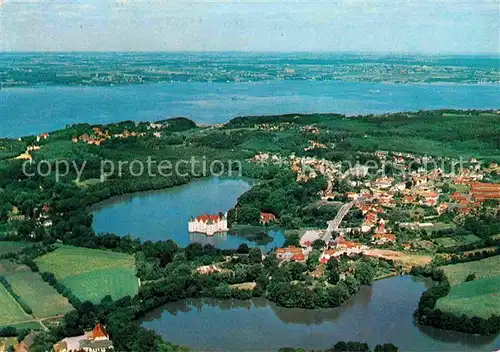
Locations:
(12, 247)
(11, 310)
(92, 274)
(484, 268)
(42, 298)
(30, 325)
(456, 241)
(445, 242)
(479, 297)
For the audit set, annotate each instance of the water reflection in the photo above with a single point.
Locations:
(380, 313)
(164, 214)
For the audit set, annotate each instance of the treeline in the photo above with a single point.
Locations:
(299, 119)
(13, 293)
(426, 313)
(348, 346)
(61, 289)
(464, 258)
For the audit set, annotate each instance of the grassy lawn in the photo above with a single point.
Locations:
(468, 239)
(484, 268)
(11, 311)
(94, 285)
(439, 226)
(32, 325)
(12, 247)
(39, 295)
(92, 274)
(445, 241)
(475, 298)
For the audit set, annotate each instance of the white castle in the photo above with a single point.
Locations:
(208, 224)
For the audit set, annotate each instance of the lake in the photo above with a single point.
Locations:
(162, 215)
(377, 314)
(42, 109)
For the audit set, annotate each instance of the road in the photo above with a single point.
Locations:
(333, 225)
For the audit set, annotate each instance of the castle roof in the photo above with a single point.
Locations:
(209, 218)
(98, 332)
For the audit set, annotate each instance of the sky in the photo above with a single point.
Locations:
(420, 26)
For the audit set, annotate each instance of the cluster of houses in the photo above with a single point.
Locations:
(335, 248)
(27, 154)
(310, 129)
(42, 137)
(315, 145)
(273, 127)
(41, 215)
(97, 137)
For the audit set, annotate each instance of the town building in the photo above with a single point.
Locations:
(208, 224)
(96, 340)
(288, 253)
(266, 218)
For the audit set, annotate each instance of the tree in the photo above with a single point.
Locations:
(318, 244)
(313, 260)
(332, 271)
(351, 346)
(296, 269)
(470, 277)
(247, 215)
(292, 240)
(255, 256)
(386, 347)
(243, 248)
(365, 273)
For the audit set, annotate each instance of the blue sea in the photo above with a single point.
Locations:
(25, 111)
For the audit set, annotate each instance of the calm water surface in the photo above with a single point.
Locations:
(377, 314)
(161, 215)
(42, 109)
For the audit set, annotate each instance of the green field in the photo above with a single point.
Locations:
(12, 247)
(484, 268)
(31, 325)
(456, 241)
(11, 311)
(445, 242)
(468, 239)
(42, 298)
(480, 297)
(475, 298)
(92, 274)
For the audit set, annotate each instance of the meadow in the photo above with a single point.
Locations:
(11, 311)
(92, 274)
(42, 298)
(12, 247)
(484, 268)
(456, 240)
(479, 297)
